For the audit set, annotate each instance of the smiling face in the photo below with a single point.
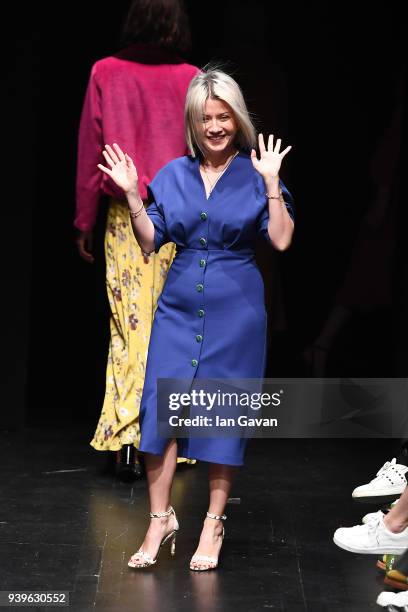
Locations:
(218, 129)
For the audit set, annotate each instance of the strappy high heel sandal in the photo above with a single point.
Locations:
(142, 559)
(209, 562)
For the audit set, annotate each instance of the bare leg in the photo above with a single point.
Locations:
(220, 482)
(397, 518)
(160, 472)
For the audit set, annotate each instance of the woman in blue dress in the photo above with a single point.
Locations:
(210, 320)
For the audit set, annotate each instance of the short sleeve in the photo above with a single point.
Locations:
(156, 213)
(264, 216)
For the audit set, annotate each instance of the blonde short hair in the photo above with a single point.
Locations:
(218, 85)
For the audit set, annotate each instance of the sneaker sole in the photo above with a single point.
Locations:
(373, 551)
(380, 492)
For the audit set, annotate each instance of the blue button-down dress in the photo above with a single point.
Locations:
(210, 320)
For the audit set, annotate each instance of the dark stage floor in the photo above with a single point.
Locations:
(74, 529)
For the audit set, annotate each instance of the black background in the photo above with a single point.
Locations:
(321, 75)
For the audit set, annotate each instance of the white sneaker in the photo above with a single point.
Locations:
(390, 480)
(387, 598)
(371, 539)
(373, 516)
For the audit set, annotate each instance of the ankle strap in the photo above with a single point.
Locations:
(161, 514)
(218, 517)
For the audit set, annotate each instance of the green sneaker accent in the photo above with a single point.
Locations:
(390, 561)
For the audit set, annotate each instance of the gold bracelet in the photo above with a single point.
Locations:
(135, 216)
(135, 213)
(279, 197)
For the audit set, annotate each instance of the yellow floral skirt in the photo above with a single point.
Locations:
(134, 284)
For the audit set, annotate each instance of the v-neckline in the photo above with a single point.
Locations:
(225, 173)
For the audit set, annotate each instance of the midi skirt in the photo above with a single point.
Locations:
(134, 285)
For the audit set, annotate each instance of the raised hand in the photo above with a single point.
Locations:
(271, 157)
(121, 168)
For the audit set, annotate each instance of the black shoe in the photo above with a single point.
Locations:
(128, 466)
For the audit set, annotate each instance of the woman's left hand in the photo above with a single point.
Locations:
(271, 157)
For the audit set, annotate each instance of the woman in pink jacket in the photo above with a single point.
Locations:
(135, 98)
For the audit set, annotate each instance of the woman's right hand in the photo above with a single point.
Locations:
(84, 243)
(121, 168)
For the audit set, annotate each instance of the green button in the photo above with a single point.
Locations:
(203, 241)
(199, 338)
(194, 362)
(201, 313)
(202, 263)
(203, 216)
(199, 287)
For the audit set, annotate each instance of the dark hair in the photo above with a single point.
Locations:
(161, 22)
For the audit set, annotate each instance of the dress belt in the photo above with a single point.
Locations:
(238, 252)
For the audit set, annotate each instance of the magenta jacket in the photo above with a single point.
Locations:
(135, 98)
